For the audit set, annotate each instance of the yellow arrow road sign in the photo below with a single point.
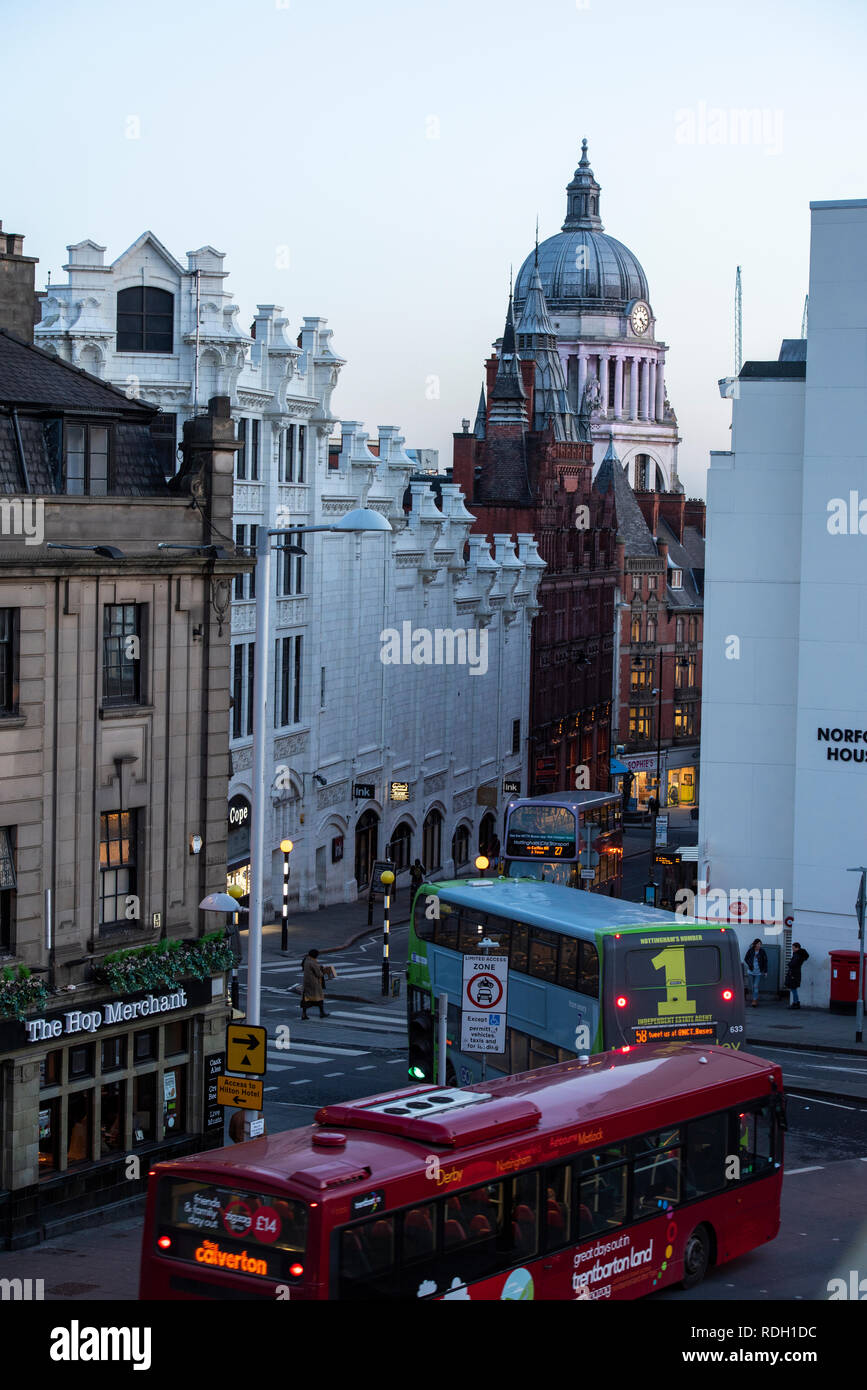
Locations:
(246, 1049)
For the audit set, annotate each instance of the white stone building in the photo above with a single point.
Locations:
(443, 737)
(784, 803)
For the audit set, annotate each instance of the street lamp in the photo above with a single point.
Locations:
(287, 848)
(386, 878)
(482, 863)
(228, 902)
(358, 520)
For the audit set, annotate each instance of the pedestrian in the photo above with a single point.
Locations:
(756, 962)
(312, 985)
(792, 982)
(417, 876)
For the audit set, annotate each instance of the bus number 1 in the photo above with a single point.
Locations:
(672, 961)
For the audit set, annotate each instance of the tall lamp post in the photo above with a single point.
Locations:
(358, 520)
(386, 879)
(651, 879)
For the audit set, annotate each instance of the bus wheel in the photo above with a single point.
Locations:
(451, 1075)
(696, 1258)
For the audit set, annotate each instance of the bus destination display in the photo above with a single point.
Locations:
(541, 832)
(674, 1034)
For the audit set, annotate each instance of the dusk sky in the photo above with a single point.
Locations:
(401, 152)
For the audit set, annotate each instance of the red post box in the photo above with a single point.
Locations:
(844, 981)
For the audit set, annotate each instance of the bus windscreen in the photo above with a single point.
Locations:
(231, 1229)
(543, 832)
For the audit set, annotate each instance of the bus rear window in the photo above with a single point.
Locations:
(231, 1229)
(648, 967)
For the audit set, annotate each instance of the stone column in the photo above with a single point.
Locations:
(643, 409)
(603, 380)
(651, 390)
(660, 387)
(633, 387)
(618, 386)
(582, 376)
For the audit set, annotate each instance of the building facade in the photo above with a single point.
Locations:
(658, 639)
(785, 661)
(114, 665)
(169, 335)
(526, 469)
(598, 298)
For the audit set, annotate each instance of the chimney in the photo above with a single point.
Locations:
(19, 307)
(695, 513)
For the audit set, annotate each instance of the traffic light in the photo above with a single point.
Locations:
(421, 1045)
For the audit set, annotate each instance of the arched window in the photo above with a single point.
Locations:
(461, 845)
(651, 630)
(431, 840)
(400, 847)
(678, 630)
(636, 630)
(145, 320)
(489, 844)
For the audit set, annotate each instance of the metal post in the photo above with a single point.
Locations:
(284, 932)
(859, 1007)
(385, 924)
(236, 983)
(259, 799)
(442, 1036)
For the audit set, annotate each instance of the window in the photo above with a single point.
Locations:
(242, 689)
(755, 1140)
(49, 1135)
(558, 1206)
(9, 649)
(675, 579)
(543, 954)
(113, 1054)
(8, 888)
(81, 1060)
(86, 460)
(302, 445)
(80, 1128)
(635, 631)
(542, 1054)
(117, 867)
(254, 450)
(641, 674)
(145, 320)
(693, 629)
(651, 630)
(145, 1045)
(174, 1097)
(290, 454)
(287, 681)
(50, 1069)
(678, 630)
(246, 540)
(175, 1039)
(516, 735)
(432, 833)
(520, 948)
(636, 585)
(290, 574)
(122, 654)
(602, 1188)
(241, 454)
(400, 849)
(568, 969)
(144, 1090)
(706, 1149)
(588, 969)
(461, 846)
(684, 721)
(164, 430)
(112, 1117)
(639, 721)
(656, 1175)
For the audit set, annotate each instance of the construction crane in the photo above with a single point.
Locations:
(804, 316)
(739, 356)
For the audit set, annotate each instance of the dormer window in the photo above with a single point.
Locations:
(86, 460)
(675, 579)
(145, 320)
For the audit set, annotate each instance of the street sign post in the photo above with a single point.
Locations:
(241, 1091)
(483, 1004)
(246, 1049)
(860, 907)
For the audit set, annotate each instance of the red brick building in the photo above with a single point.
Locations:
(526, 469)
(661, 538)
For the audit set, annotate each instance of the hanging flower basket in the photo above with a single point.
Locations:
(165, 963)
(20, 991)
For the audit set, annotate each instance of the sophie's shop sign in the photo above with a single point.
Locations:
(92, 1018)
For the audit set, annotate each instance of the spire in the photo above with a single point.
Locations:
(582, 194)
(480, 427)
(535, 318)
(611, 455)
(537, 340)
(508, 396)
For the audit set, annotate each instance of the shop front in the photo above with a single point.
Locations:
(94, 1091)
(681, 777)
(238, 845)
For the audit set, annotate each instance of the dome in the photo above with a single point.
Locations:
(582, 268)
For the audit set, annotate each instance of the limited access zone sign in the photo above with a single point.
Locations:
(483, 1003)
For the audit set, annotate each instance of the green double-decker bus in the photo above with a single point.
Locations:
(586, 973)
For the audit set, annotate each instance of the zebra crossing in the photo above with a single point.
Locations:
(367, 1029)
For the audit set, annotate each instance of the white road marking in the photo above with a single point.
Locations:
(371, 1068)
(326, 1074)
(305, 1082)
(326, 1047)
(813, 1101)
(859, 1071)
(271, 1088)
(793, 1172)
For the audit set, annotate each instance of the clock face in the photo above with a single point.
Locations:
(640, 318)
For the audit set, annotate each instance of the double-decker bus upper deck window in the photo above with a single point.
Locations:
(558, 1206)
(473, 927)
(602, 1190)
(446, 933)
(543, 954)
(520, 948)
(657, 1173)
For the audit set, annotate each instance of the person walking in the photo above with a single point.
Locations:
(416, 876)
(756, 962)
(312, 985)
(792, 982)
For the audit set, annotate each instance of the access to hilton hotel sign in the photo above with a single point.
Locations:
(102, 1014)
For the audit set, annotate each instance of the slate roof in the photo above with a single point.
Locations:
(30, 376)
(630, 522)
(681, 557)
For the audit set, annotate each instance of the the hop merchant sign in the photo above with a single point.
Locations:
(483, 1003)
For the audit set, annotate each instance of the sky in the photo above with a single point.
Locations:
(382, 165)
